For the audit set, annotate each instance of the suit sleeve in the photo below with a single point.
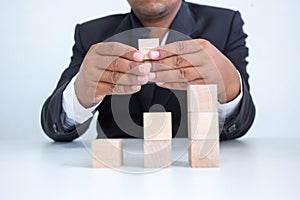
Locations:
(52, 108)
(241, 120)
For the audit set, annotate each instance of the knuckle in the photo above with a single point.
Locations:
(93, 47)
(119, 89)
(114, 76)
(98, 98)
(118, 49)
(182, 85)
(180, 46)
(99, 48)
(111, 88)
(95, 91)
(183, 73)
(130, 66)
(204, 43)
(111, 46)
(114, 64)
(177, 60)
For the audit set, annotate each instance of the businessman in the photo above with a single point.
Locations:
(199, 45)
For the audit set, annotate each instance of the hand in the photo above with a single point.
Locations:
(179, 64)
(110, 68)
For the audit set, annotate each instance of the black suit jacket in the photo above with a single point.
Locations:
(121, 116)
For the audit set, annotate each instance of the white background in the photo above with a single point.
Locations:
(37, 36)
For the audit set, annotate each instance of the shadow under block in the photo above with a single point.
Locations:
(107, 153)
(145, 45)
(203, 126)
(157, 126)
(204, 153)
(202, 98)
(157, 154)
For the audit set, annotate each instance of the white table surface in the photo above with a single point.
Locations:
(250, 169)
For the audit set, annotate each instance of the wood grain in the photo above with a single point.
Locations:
(202, 98)
(203, 125)
(204, 153)
(107, 153)
(157, 126)
(157, 154)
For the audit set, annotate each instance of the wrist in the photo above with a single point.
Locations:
(234, 88)
(82, 97)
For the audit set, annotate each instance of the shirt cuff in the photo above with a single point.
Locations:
(227, 109)
(75, 113)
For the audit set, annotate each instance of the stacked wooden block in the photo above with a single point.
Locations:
(157, 140)
(145, 45)
(203, 126)
(107, 153)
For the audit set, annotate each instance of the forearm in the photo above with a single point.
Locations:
(52, 111)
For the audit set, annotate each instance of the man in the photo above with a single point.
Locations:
(109, 75)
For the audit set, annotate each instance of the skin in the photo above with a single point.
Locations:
(115, 68)
(177, 65)
(155, 13)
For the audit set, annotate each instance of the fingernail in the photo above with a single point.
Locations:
(136, 87)
(138, 56)
(152, 76)
(160, 83)
(142, 78)
(154, 54)
(145, 68)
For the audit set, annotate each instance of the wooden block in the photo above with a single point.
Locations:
(107, 153)
(157, 154)
(204, 153)
(158, 126)
(202, 98)
(203, 126)
(145, 45)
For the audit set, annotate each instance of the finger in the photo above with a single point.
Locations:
(111, 89)
(176, 75)
(125, 66)
(176, 48)
(119, 50)
(180, 85)
(114, 63)
(198, 82)
(122, 78)
(173, 86)
(180, 61)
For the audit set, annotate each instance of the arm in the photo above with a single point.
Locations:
(198, 61)
(52, 108)
(107, 68)
(240, 121)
